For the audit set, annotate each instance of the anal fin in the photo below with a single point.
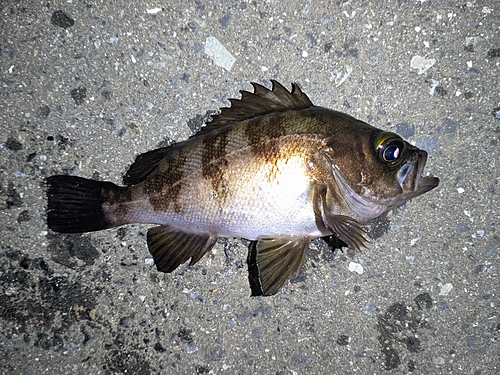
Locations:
(271, 261)
(171, 248)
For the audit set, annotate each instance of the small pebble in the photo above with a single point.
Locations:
(153, 10)
(356, 267)
(421, 64)
(219, 54)
(438, 360)
(445, 289)
(368, 308)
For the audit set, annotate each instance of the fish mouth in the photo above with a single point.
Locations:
(411, 179)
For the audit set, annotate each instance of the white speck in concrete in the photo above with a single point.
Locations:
(219, 54)
(153, 10)
(438, 360)
(478, 233)
(305, 10)
(471, 41)
(434, 84)
(337, 76)
(112, 40)
(351, 16)
(421, 64)
(445, 289)
(368, 308)
(356, 267)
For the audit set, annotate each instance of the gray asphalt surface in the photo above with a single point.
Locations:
(86, 86)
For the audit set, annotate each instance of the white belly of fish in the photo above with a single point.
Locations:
(271, 200)
(276, 202)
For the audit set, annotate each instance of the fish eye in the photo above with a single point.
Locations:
(389, 147)
(391, 153)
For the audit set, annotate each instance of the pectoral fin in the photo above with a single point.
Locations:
(170, 248)
(347, 230)
(271, 261)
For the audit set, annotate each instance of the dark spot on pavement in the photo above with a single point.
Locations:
(42, 112)
(398, 330)
(423, 301)
(79, 94)
(41, 303)
(343, 340)
(13, 197)
(379, 226)
(13, 144)
(61, 19)
(493, 52)
(65, 248)
(126, 362)
(185, 335)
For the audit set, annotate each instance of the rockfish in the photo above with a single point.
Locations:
(273, 168)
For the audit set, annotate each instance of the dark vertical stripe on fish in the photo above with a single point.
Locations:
(214, 162)
(269, 128)
(165, 188)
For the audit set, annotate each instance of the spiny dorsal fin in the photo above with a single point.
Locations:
(258, 103)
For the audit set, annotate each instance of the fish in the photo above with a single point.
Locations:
(271, 168)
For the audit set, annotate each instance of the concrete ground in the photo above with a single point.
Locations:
(88, 85)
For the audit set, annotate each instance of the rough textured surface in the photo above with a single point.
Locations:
(88, 85)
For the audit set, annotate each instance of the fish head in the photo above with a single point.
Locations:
(375, 171)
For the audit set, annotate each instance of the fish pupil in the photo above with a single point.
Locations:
(391, 153)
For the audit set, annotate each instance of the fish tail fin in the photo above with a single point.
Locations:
(75, 204)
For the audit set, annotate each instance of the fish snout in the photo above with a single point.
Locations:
(410, 177)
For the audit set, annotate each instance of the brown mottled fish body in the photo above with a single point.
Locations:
(273, 169)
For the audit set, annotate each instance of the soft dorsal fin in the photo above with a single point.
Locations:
(258, 103)
(144, 164)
